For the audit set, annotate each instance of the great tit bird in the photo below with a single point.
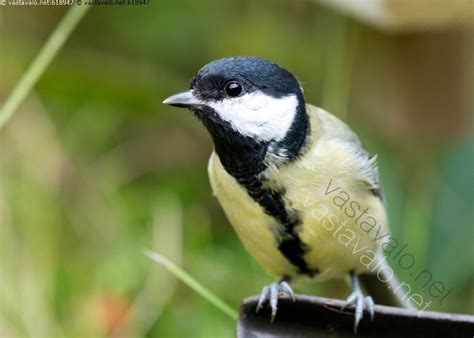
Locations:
(293, 180)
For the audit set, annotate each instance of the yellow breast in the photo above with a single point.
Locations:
(249, 220)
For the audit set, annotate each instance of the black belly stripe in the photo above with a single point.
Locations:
(289, 243)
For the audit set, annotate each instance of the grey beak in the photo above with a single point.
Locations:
(183, 100)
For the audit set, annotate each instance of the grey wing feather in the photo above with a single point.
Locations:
(338, 129)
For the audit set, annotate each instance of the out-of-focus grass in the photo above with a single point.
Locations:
(192, 283)
(93, 168)
(41, 62)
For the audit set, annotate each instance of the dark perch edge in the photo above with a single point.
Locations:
(312, 316)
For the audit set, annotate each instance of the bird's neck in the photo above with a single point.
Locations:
(296, 140)
(246, 158)
(241, 156)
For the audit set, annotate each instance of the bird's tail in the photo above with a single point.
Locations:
(385, 288)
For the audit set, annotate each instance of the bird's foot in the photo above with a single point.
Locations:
(272, 292)
(360, 303)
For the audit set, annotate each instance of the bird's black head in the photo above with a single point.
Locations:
(246, 100)
(233, 77)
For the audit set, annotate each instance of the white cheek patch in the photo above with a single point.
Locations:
(258, 115)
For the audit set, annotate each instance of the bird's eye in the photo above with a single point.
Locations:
(233, 88)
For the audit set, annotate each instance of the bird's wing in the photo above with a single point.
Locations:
(333, 128)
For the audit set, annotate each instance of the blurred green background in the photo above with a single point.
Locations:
(94, 168)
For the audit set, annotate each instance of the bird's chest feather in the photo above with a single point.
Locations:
(300, 238)
(257, 230)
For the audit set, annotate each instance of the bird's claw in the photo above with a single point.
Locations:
(272, 292)
(360, 304)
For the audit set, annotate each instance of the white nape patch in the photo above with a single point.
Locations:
(258, 115)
